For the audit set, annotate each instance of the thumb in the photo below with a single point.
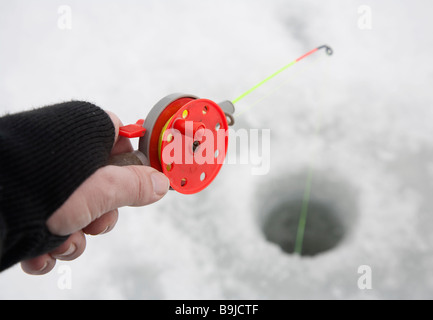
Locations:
(107, 189)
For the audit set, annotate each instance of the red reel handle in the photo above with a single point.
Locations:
(133, 130)
(135, 158)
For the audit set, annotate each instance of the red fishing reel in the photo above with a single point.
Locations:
(184, 137)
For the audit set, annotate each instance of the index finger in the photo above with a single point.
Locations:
(121, 144)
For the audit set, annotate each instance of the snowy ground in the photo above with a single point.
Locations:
(359, 121)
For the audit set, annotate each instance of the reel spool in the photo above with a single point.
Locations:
(184, 137)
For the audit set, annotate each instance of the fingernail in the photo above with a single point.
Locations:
(104, 231)
(43, 267)
(160, 183)
(67, 253)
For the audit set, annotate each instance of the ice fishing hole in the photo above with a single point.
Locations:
(331, 209)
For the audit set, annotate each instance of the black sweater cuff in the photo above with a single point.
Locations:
(45, 155)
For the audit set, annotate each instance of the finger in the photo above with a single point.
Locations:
(116, 122)
(107, 189)
(39, 265)
(103, 224)
(121, 144)
(71, 249)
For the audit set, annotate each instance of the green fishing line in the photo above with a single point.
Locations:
(304, 210)
(307, 192)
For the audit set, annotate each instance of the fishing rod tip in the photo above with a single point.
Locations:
(328, 49)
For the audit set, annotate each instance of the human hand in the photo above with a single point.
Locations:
(93, 208)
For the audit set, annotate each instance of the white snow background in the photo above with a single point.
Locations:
(361, 120)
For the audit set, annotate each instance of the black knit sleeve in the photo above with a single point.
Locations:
(45, 154)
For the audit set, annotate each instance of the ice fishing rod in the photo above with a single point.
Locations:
(329, 52)
(186, 137)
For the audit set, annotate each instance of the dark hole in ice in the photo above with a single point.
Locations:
(323, 229)
(331, 212)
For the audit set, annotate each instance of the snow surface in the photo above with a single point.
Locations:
(360, 120)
